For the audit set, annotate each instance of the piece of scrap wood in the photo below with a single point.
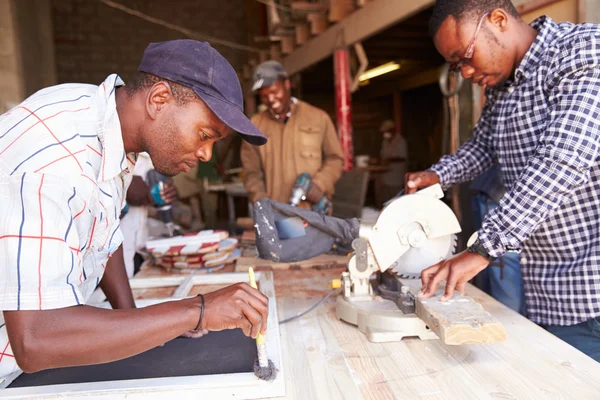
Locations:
(460, 320)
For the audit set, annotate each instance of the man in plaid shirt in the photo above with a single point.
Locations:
(541, 123)
(66, 159)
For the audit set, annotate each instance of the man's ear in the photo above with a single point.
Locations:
(499, 19)
(287, 84)
(159, 96)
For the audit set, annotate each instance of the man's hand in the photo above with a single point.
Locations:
(419, 180)
(315, 194)
(236, 306)
(138, 193)
(457, 271)
(169, 193)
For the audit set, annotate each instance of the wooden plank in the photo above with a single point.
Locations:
(340, 9)
(323, 261)
(302, 33)
(308, 7)
(460, 320)
(330, 359)
(356, 27)
(318, 23)
(325, 358)
(288, 43)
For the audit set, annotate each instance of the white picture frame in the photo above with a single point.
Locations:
(218, 386)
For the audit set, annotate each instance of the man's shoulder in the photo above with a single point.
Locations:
(257, 118)
(63, 93)
(574, 45)
(309, 108)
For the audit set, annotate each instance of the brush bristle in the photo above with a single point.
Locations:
(267, 373)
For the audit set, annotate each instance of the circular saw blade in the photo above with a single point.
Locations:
(416, 259)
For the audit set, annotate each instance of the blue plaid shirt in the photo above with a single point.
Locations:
(543, 128)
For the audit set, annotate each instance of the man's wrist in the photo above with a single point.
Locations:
(475, 246)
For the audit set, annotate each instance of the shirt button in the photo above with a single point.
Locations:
(511, 89)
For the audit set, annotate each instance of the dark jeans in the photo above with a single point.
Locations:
(584, 337)
(502, 278)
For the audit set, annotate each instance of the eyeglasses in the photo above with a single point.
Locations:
(469, 53)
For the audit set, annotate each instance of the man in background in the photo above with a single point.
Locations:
(302, 138)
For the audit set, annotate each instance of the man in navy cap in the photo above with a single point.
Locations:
(68, 154)
(302, 138)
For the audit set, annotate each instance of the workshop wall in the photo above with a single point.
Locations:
(93, 40)
(367, 117)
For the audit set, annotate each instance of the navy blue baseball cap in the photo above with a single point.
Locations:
(201, 68)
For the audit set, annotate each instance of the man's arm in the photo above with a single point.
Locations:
(115, 283)
(567, 150)
(252, 170)
(333, 160)
(83, 335)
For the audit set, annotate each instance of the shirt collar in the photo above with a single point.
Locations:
(546, 28)
(114, 159)
(289, 113)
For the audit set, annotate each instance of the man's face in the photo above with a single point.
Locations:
(277, 96)
(182, 135)
(491, 63)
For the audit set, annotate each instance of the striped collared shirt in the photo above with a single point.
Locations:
(63, 178)
(543, 128)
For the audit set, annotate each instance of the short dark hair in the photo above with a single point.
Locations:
(142, 80)
(466, 8)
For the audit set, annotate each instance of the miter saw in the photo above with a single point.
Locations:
(412, 233)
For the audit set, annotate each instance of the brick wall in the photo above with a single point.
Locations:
(93, 40)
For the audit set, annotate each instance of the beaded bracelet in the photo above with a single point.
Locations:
(201, 312)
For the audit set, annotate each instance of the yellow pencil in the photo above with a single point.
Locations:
(261, 347)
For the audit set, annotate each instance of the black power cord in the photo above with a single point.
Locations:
(309, 310)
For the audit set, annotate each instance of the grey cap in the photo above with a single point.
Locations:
(267, 73)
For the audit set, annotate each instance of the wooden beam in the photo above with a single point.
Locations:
(276, 52)
(318, 23)
(533, 5)
(340, 9)
(460, 320)
(287, 44)
(307, 7)
(302, 33)
(358, 26)
(407, 82)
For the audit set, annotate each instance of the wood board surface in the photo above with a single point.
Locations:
(329, 359)
(325, 358)
(323, 261)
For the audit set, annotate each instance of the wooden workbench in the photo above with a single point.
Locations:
(325, 358)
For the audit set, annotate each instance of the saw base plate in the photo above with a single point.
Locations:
(381, 320)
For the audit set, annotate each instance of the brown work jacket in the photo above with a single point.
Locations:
(307, 142)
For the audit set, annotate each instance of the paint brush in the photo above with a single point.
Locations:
(263, 367)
